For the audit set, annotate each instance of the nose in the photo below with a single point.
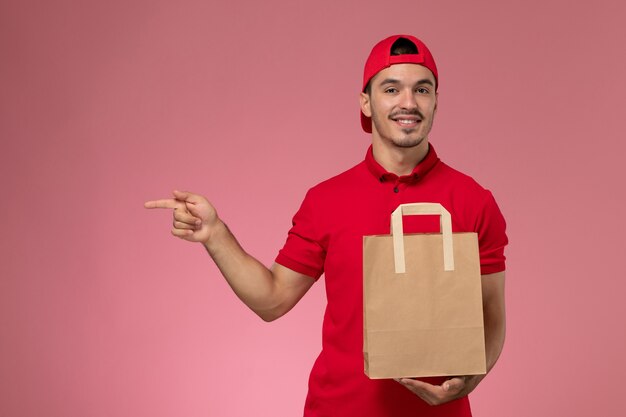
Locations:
(407, 99)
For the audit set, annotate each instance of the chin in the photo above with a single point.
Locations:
(408, 143)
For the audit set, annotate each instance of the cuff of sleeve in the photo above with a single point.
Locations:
(298, 267)
(492, 268)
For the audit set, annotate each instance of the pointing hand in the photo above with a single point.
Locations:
(194, 216)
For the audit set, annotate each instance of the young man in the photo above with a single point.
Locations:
(398, 105)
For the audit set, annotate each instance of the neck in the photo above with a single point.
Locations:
(400, 161)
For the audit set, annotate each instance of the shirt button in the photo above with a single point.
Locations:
(396, 190)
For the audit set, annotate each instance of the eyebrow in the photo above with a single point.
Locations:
(394, 81)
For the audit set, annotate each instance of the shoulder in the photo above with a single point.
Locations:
(459, 181)
(468, 200)
(338, 184)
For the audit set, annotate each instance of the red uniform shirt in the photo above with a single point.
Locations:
(327, 237)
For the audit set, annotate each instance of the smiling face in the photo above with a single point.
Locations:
(402, 103)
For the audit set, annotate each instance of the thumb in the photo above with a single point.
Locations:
(193, 209)
(454, 384)
(187, 196)
(181, 195)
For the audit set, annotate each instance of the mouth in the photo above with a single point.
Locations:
(406, 121)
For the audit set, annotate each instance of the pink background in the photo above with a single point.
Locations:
(107, 104)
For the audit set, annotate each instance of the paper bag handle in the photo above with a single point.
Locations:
(397, 232)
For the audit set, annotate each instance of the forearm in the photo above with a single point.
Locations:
(494, 316)
(252, 281)
(495, 331)
(269, 293)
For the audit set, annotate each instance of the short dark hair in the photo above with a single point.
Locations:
(402, 46)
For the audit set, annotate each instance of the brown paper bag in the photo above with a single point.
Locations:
(422, 301)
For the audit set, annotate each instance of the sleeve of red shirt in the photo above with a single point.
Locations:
(492, 239)
(303, 251)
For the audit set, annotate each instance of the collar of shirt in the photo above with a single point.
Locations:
(420, 170)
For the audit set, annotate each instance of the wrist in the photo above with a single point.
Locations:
(217, 231)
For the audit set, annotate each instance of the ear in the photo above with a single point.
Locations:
(365, 104)
(436, 102)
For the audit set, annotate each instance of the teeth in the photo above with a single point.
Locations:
(406, 122)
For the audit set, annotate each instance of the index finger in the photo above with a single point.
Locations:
(169, 203)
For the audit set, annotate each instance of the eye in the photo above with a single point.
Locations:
(391, 90)
(422, 90)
